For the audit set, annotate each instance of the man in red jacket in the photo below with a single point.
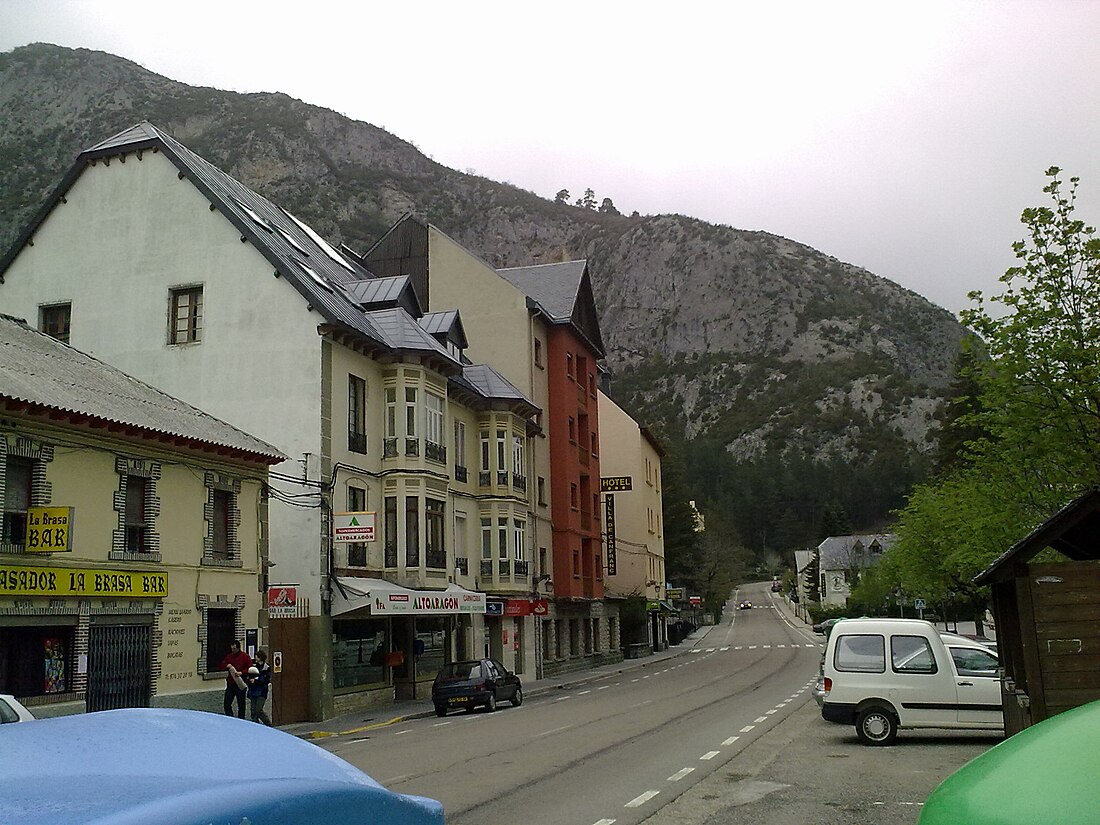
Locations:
(235, 661)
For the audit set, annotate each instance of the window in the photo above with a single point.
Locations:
(519, 540)
(538, 353)
(518, 457)
(502, 536)
(487, 538)
(573, 496)
(594, 443)
(502, 456)
(434, 418)
(973, 662)
(543, 569)
(576, 564)
(860, 654)
(391, 412)
(389, 506)
(38, 660)
(135, 514)
(18, 474)
(410, 412)
(460, 444)
(359, 647)
(185, 322)
(591, 384)
(357, 503)
(542, 491)
(223, 505)
(436, 551)
(221, 632)
(572, 430)
(412, 531)
(54, 321)
(357, 414)
(911, 654)
(569, 364)
(485, 464)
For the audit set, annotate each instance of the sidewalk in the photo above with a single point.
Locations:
(377, 717)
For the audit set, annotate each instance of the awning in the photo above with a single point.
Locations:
(382, 598)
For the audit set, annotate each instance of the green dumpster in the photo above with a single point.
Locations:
(1047, 773)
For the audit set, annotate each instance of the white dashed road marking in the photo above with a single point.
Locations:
(730, 741)
(760, 719)
(709, 755)
(680, 774)
(747, 728)
(638, 801)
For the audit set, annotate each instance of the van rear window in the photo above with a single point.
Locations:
(863, 653)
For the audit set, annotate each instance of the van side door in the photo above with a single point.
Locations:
(979, 688)
(924, 682)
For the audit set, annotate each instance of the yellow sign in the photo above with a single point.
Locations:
(616, 484)
(81, 581)
(49, 530)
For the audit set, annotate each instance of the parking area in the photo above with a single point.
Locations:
(808, 770)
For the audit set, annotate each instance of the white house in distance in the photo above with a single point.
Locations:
(839, 557)
(170, 270)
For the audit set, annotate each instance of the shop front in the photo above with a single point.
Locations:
(389, 641)
(78, 638)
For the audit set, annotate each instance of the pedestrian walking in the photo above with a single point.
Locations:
(236, 663)
(259, 678)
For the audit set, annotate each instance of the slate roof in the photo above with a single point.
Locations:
(839, 552)
(326, 278)
(563, 293)
(40, 371)
(447, 324)
(385, 293)
(553, 286)
(482, 381)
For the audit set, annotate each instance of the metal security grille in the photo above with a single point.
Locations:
(118, 666)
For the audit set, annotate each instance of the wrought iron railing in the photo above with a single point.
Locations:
(436, 559)
(462, 565)
(461, 473)
(357, 442)
(435, 452)
(389, 448)
(504, 567)
(502, 478)
(520, 568)
(486, 568)
(519, 482)
(412, 447)
(483, 478)
(389, 558)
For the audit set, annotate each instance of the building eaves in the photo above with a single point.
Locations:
(405, 335)
(39, 373)
(483, 382)
(295, 251)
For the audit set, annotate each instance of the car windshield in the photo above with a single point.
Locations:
(461, 670)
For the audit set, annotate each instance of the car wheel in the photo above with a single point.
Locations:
(440, 710)
(517, 697)
(876, 726)
(491, 703)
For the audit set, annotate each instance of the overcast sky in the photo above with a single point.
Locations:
(904, 137)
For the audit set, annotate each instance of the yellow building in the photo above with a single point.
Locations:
(134, 548)
(634, 545)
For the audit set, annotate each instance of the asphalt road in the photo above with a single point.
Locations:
(726, 732)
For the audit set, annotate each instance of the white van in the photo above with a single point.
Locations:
(884, 674)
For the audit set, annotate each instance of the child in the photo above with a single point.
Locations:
(259, 677)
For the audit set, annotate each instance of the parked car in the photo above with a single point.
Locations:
(1045, 773)
(776, 587)
(178, 767)
(12, 711)
(472, 683)
(744, 605)
(825, 624)
(885, 674)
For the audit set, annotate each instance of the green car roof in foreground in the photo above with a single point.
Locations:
(1049, 772)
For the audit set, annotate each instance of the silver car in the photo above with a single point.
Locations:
(12, 711)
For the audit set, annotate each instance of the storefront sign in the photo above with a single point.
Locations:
(282, 601)
(494, 608)
(423, 602)
(49, 530)
(352, 528)
(695, 600)
(675, 594)
(616, 484)
(526, 607)
(540, 607)
(81, 581)
(612, 560)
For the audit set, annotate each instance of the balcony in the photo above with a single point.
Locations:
(504, 568)
(502, 478)
(436, 559)
(487, 569)
(521, 568)
(519, 482)
(412, 447)
(435, 452)
(357, 442)
(462, 565)
(461, 473)
(483, 478)
(389, 448)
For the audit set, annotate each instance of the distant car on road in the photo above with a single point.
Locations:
(12, 711)
(776, 587)
(478, 682)
(745, 604)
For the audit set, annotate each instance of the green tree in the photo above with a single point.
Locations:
(562, 196)
(811, 579)
(588, 200)
(682, 543)
(1034, 420)
(959, 416)
(608, 208)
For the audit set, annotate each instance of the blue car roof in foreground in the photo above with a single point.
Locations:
(180, 767)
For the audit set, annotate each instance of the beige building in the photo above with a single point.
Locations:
(633, 532)
(134, 542)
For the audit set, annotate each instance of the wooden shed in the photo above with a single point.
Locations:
(1048, 616)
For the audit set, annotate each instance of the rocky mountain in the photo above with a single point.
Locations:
(751, 352)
